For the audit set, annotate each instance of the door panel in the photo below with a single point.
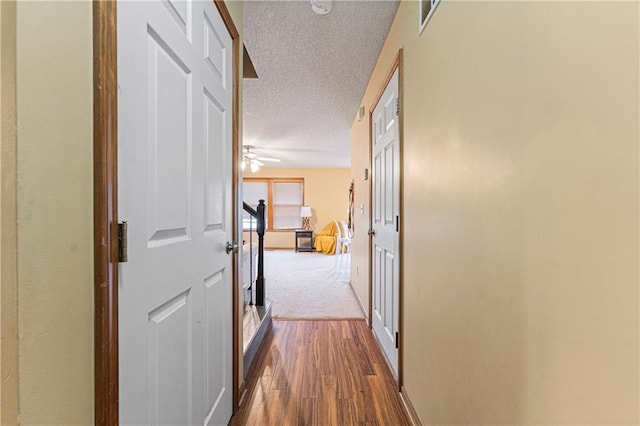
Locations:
(377, 281)
(216, 117)
(169, 385)
(217, 371)
(175, 183)
(179, 11)
(389, 211)
(214, 51)
(377, 199)
(169, 113)
(386, 205)
(389, 302)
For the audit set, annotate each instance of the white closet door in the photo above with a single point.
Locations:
(386, 211)
(175, 183)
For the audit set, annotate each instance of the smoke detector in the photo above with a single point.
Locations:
(321, 7)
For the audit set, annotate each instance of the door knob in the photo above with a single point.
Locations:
(231, 247)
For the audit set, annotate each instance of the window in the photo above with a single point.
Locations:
(284, 199)
(287, 202)
(426, 10)
(252, 192)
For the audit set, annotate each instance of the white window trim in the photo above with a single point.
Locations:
(422, 25)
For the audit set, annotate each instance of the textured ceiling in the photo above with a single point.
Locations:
(313, 70)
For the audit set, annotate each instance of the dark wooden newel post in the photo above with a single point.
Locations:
(260, 279)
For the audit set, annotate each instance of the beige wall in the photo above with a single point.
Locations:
(55, 209)
(325, 190)
(521, 211)
(8, 224)
(236, 9)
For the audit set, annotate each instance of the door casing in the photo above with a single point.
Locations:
(105, 166)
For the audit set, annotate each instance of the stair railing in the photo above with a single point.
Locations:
(258, 215)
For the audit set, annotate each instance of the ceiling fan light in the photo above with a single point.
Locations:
(253, 160)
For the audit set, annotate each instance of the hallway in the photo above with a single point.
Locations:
(320, 373)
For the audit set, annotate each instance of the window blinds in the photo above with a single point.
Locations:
(251, 193)
(287, 201)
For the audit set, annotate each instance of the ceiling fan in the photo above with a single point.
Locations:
(253, 160)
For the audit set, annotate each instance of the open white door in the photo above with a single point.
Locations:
(175, 191)
(386, 221)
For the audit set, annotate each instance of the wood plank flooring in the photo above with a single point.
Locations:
(320, 373)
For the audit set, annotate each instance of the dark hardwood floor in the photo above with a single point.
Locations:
(320, 373)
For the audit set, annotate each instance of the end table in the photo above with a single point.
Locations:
(304, 240)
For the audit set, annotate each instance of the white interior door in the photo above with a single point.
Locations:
(386, 221)
(175, 183)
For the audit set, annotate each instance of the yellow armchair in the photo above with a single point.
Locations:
(325, 241)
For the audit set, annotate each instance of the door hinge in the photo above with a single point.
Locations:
(397, 340)
(397, 106)
(397, 223)
(123, 236)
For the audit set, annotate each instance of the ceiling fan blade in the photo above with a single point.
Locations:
(251, 155)
(273, 160)
(257, 162)
(273, 149)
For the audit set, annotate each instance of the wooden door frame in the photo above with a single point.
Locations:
(397, 64)
(105, 206)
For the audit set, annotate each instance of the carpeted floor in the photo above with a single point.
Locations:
(305, 285)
